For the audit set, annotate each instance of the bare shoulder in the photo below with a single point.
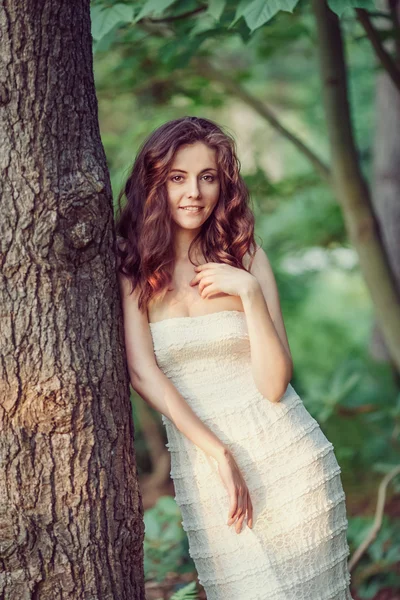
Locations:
(261, 266)
(261, 269)
(247, 258)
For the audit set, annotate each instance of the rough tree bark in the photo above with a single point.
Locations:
(71, 523)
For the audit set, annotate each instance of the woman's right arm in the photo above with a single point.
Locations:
(153, 385)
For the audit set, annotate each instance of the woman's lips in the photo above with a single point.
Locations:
(194, 211)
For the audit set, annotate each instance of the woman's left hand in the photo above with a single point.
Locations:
(214, 278)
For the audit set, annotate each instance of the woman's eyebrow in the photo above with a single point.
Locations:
(182, 171)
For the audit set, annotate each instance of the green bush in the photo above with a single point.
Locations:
(165, 542)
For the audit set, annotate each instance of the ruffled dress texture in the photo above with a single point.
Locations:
(297, 548)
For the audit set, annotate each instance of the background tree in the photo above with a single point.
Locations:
(70, 509)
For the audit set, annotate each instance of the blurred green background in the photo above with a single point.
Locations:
(146, 73)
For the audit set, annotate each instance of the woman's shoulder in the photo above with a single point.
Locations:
(249, 260)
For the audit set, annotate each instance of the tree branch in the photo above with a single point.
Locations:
(184, 15)
(383, 56)
(353, 411)
(380, 505)
(207, 70)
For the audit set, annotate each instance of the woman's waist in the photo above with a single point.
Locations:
(236, 405)
(215, 388)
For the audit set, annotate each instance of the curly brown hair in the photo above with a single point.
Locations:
(144, 226)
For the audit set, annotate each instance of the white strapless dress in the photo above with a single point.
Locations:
(297, 548)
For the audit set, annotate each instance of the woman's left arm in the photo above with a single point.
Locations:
(271, 359)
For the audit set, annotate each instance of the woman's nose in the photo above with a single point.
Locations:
(193, 188)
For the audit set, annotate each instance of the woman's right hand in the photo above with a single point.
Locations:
(240, 501)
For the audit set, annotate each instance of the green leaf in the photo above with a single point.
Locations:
(339, 6)
(189, 592)
(259, 12)
(216, 8)
(154, 7)
(206, 23)
(241, 7)
(106, 18)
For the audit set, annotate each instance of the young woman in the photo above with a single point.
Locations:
(255, 478)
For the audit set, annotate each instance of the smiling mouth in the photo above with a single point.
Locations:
(193, 209)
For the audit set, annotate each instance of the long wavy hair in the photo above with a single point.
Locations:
(144, 225)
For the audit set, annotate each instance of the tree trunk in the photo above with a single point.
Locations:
(386, 180)
(71, 523)
(352, 191)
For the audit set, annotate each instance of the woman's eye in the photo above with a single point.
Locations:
(175, 180)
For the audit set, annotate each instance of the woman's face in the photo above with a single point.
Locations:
(193, 182)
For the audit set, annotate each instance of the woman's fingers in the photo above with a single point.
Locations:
(246, 505)
(238, 507)
(241, 508)
(239, 524)
(235, 505)
(232, 508)
(240, 502)
(240, 515)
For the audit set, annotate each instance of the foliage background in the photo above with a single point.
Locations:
(145, 76)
